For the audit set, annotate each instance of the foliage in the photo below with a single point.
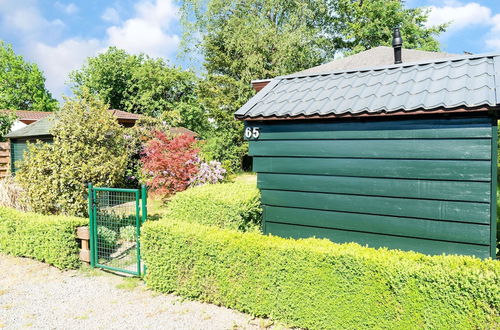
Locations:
(127, 233)
(7, 119)
(89, 146)
(317, 284)
(226, 147)
(11, 194)
(136, 138)
(260, 38)
(222, 96)
(22, 84)
(107, 238)
(226, 205)
(211, 172)
(49, 239)
(257, 39)
(366, 24)
(141, 84)
(169, 163)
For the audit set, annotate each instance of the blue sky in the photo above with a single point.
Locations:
(60, 35)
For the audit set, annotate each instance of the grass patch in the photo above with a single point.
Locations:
(129, 284)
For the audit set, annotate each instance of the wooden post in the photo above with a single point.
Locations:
(83, 234)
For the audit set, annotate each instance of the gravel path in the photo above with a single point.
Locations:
(35, 295)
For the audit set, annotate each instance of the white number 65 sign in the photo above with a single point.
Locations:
(252, 132)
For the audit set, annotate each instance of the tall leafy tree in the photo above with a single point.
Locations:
(22, 84)
(255, 39)
(361, 25)
(144, 85)
(249, 39)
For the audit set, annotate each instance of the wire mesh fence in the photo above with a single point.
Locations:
(116, 218)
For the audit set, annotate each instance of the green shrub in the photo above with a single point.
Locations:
(318, 284)
(226, 205)
(89, 146)
(106, 238)
(50, 239)
(127, 234)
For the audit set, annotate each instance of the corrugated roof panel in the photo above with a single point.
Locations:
(449, 83)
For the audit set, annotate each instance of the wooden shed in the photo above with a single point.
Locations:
(401, 156)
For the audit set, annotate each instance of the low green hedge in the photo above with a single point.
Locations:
(51, 239)
(317, 284)
(225, 205)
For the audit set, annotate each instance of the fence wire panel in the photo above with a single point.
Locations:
(116, 216)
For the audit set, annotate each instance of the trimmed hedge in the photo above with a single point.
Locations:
(50, 239)
(318, 284)
(225, 205)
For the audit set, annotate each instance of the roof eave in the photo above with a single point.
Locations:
(436, 111)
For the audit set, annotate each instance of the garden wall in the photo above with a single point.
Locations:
(50, 239)
(318, 284)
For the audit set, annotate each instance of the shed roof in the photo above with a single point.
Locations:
(374, 57)
(43, 126)
(444, 84)
(38, 128)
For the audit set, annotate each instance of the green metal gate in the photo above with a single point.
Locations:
(116, 216)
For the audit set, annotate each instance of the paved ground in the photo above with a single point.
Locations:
(35, 295)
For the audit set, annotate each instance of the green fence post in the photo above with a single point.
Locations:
(138, 231)
(91, 227)
(144, 198)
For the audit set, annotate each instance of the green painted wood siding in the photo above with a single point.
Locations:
(19, 146)
(424, 185)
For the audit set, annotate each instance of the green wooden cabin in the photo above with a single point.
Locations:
(402, 156)
(19, 139)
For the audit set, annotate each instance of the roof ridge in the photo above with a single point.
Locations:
(392, 66)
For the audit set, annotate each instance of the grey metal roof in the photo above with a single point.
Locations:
(38, 128)
(378, 56)
(465, 81)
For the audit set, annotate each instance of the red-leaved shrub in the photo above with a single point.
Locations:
(169, 163)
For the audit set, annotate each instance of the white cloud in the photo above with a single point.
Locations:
(23, 18)
(58, 61)
(68, 9)
(148, 31)
(111, 15)
(137, 35)
(460, 15)
(465, 15)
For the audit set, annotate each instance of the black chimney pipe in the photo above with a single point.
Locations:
(397, 43)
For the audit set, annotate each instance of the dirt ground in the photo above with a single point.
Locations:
(35, 295)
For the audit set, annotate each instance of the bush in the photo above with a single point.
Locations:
(169, 163)
(127, 234)
(106, 238)
(318, 284)
(227, 149)
(49, 239)
(89, 146)
(225, 205)
(211, 172)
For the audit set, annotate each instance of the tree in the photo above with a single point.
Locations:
(7, 119)
(89, 146)
(169, 163)
(22, 84)
(257, 39)
(362, 25)
(222, 96)
(140, 84)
